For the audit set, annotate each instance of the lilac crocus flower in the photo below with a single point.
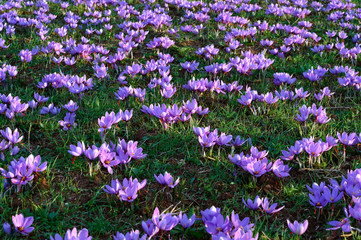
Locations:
(25, 55)
(129, 194)
(346, 139)
(78, 150)
(12, 137)
(126, 115)
(108, 161)
(105, 122)
(224, 139)
(39, 98)
(150, 228)
(313, 149)
(166, 179)
(23, 175)
(298, 228)
(253, 205)
(355, 211)
(92, 153)
(270, 209)
(218, 224)
(301, 93)
(208, 141)
(280, 170)
(317, 200)
(114, 187)
(332, 196)
(100, 71)
(304, 113)
(164, 222)
(22, 225)
(73, 234)
(258, 168)
(133, 235)
(344, 224)
(200, 131)
(185, 221)
(69, 122)
(71, 106)
(190, 107)
(7, 228)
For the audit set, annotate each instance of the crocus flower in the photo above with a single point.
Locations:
(22, 225)
(92, 153)
(270, 209)
(12, 137)
(253, 205)
(280, 170)
(164, 222)
(129, 194)
(7, 228)
(304, 113)
(355, 211)
(114, 188)
(218, 224)
(167, 179)
(347, 139)
(108, 161)
(78, 150)
(73, 234)
(317, 200)
(133, 235)
(68, 122)
(344, 224)
(150, 228)
(185, 221)
(332, 196)
(297, 228)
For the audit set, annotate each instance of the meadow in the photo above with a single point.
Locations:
(177, 119)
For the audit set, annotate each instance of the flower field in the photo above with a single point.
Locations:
(177, 119)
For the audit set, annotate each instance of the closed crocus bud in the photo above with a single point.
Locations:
(7, 228)
(6, 184)
(33, 104)
(15, 151)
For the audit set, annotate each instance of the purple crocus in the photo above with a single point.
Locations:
(298, 228)
(347, 139)
(7, 228)
(73, 234)
(133, 235)
(355, 211)
(304, 113)
(22, 225)
(92, 153)
(166, 179)
(114, 187)
(100, 71)
(280, 170)
(253, 205)
(270, 209)
(164, 222)
(344, 224)
(332, 196)
(185, 221)
(12, 137)
(129, 194)
(150, 228)
(69, 121)
(78, 150)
